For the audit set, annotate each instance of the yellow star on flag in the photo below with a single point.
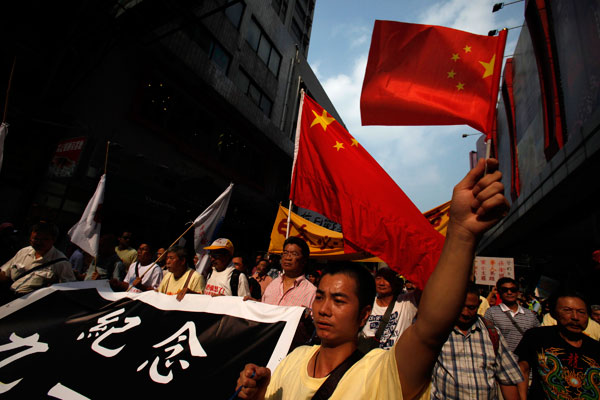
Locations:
(338, 145)
(451, 74)
(324, 120)
(460, 86)
(467, 49)
(455, 57)
(489, 67)
(354, 142)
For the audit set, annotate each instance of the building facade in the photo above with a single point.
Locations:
(191, 94)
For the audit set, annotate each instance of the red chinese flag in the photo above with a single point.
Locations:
(335, 176)
(431, 75)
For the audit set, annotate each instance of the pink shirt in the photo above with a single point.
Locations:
(263, 281)
(301, 294)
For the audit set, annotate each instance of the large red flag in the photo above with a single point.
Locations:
(335, 176)
(431, 75)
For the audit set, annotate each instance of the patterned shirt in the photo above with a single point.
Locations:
(468, 367)
(301, 294)
(526, 319)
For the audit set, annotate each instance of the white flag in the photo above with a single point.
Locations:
(206, 225)
(86, 233)
(3, 132)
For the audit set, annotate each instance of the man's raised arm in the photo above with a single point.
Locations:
(477, 204)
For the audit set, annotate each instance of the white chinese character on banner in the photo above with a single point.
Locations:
(130, 322)
(34, 346)
(196, 350)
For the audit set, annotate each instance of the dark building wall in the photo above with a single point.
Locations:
(182, 125)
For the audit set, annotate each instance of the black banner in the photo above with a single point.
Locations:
(78, 344)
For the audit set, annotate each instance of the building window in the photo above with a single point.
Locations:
(234, 13)
(280, 7)
(251, 89)
(257, 39)
(297, 31)
(207, 42)
(300, 13)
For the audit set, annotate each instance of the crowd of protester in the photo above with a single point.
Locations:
(439, 343)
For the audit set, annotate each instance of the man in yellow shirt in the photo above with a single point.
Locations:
(180, 279)
(343, 303)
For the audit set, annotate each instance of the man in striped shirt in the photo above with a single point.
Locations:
(512, 319)
(292, 288)
(474, 359)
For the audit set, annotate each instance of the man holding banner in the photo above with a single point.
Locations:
(339, 313)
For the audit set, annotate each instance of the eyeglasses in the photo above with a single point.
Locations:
(293, 254)
(508, 289)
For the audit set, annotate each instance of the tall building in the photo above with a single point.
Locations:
(191, 94)
(548, 145)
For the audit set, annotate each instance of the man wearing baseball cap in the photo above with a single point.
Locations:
(224, 279)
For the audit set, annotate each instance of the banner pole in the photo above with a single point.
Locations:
(10, 78)
(106, 157)
(289, 219)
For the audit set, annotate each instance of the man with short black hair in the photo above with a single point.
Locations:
(564, 362)
(509, 317)
(474, 359)
(180, 279)
(343, 304)
(292, 288)
(38, 265)
(224, 279)
(126, 253)
(143, 274)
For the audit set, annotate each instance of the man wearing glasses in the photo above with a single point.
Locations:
(512, 319)
(292, 288)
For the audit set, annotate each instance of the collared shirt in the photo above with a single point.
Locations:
(25, 260)
(526, 319)
(520, 310)
(468, 368)
(301, 294)
(263, 281)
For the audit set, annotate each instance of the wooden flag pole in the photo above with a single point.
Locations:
(163, 254)
(10, 78)
(106, 157)
(287, 230)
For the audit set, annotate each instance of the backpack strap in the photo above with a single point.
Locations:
(494, 336)
(38, 267)
(234, 282)
(385, 319)
(328, 387)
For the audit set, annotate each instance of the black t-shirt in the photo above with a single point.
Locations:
(560, 371)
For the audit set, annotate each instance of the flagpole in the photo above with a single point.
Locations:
(287, 229)
(163, 254)
(106, 157)
(12, 71)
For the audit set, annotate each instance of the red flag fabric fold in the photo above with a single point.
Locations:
(335, 176)
(431, 75)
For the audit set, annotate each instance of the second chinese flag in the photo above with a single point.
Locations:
(431, 75)
(335, 176)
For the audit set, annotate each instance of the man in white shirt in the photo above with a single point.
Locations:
(142, 275)
(224, 279)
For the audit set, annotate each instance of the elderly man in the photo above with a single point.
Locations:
(512, 319)
(474, 359)
(564, 362)
(38, 265)
(143, 274)
(335, 369)
(224, 279)
(180, 279)
(292, 288)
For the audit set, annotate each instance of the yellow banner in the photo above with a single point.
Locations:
(323, 243)
(438, 217)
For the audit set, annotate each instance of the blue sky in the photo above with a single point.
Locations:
(425, 161)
